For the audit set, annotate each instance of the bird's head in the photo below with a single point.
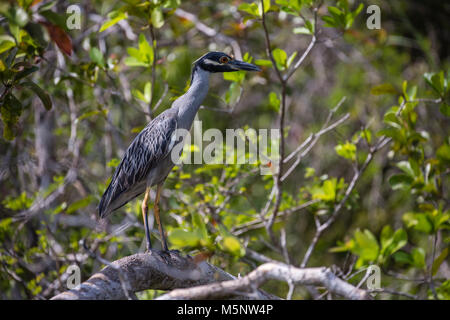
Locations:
(221, 62)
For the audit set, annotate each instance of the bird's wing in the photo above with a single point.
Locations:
(150, 146)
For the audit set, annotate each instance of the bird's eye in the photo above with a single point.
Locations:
(224, 59)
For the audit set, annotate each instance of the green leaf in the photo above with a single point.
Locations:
(366, 247)
(47, 6)
(142, 57)
(335, 12)
(233, 94)
(16, 15)
(250, 8)
(139, 95)
(386, 237)
(301, 30)
(148, 91)
(11, 56)
(157, 17)
(114, 162)
(114, 17)
(385, 88)
(133, 62)
(263, 62)
(266, 6)
(341, 17)
(25, 72)
(134, 52)
(45, 98)
(347, 150)
(280, 57)
(6, 43)
(237, 76)
(391, 242)
(146, 95)
(438, 261)
(336, 18)
(443, 153)
(329, 22)
(310, 172)
(393, 133)
(350, 17)
(391, 119)
(58, 19)
(37, 33)
(199, 225)
(145, 49)
(400, 181)
(173, 4)
(344, 247)
(232, 245)
(418, 221)
(274, 101)
(443, 291)
(182, 238)
(445, 109)
(411, 93)
(292, 6)
(310, 25)
(437, 82)
(365, 134)
(400, 239)
(327, 192)
(418, 256)
(291, 59)
(405, 166)
(97, 57)
(402, 257)
(77, 205)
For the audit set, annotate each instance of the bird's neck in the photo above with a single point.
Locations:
(189, 103)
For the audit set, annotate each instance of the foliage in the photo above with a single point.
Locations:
(370, 183)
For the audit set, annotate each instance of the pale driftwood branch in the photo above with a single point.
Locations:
(190, 280)
(155, 270)
(278, 271)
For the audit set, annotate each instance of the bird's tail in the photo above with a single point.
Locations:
(104, 203)
(115, 197)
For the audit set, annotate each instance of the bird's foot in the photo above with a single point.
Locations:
(148, 250)
(166, 255)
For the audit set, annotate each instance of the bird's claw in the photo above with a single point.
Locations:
(165, 255)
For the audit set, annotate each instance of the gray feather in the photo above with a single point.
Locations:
(149, 147)
(146, 161)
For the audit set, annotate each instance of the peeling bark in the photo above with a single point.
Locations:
(142, 271)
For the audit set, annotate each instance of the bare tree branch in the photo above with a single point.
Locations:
(276, 271)
(155, 270)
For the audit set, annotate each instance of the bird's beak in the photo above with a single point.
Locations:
(241, 65)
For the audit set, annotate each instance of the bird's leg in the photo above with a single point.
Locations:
(145, 217)
(158, 220)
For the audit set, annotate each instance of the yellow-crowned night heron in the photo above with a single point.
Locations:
(147, 161)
